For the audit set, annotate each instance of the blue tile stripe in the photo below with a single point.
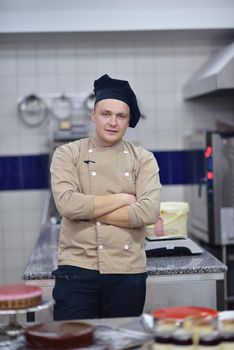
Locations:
(32, 172)
(24, 172)
(181, 167)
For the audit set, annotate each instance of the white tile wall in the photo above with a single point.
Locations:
(157, 66)
(20, 217)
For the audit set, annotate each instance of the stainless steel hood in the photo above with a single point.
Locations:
(216, 75)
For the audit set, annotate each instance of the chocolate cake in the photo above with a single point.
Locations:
(59, 335)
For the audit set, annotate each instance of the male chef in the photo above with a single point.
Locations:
(107, 190)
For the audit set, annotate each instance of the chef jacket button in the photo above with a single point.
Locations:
(98, 223)
(125, 151)
(93, 173)
(100, 246)
(126, 246)
(126, 173)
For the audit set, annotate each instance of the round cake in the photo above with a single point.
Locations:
(60, 335)
(19, 296)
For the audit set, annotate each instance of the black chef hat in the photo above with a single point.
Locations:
(106, 87)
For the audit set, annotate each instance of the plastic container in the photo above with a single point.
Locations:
(173, 219)
(227, 325)
(182, 340)
(211, 341)
(199, 326)
(227, 339)
(162, 340)
(165, 325)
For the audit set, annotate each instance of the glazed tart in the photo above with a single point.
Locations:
(19, 296)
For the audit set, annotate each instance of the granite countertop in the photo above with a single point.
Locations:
(43, 260)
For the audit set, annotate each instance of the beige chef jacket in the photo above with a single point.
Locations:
(82, 169)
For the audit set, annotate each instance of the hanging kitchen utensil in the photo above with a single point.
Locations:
(62, 107)
(89, 102)
(32, 110)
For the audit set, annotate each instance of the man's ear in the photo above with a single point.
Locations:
(93, 115)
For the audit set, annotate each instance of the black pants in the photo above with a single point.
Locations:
(82, 293)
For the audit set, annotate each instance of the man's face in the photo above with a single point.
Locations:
(111, 118)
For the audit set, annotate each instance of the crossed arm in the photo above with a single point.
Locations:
(113, 209)
(120, 209)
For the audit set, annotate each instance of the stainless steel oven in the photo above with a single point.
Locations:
(212, 198)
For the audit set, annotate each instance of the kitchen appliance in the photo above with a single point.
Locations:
(211, 200)
(176, 246)
(214, 76)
